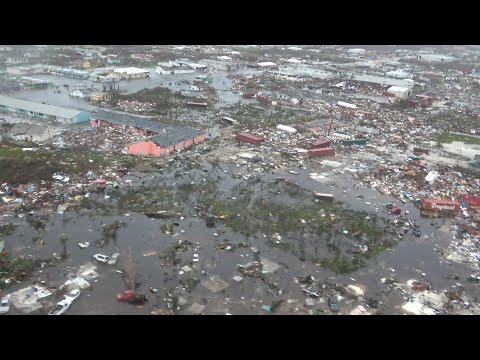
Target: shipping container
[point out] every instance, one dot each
(323, 196)
(354, 142)
(440, 207)
(262, 98)
(248, 95)
(323, 143)
(313, 153)
(190, 103)
(420, 151)
(285, 128)
(250, 138)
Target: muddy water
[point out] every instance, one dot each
(410, 258)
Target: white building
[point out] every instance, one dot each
(356, 52)
(29, 132)
(133, 73)
(435, 58)
(266, 64)
(398, 74)
(172, 68)
(219, 64)
(400, 92)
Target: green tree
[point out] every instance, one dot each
(63, 238)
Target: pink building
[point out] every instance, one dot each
(162, 144)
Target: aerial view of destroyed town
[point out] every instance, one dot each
(239, 180)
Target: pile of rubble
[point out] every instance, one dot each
(135, 105)
(100, 138)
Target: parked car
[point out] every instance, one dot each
(5, 305)
(101, 258)
(126, 295)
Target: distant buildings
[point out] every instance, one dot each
(82, 64)
(34, 84)
(219, 64)
(172, 68)
(53, 114)
(25, 70)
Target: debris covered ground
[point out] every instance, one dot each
(255, 224)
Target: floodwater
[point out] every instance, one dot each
(173, 82)
(143, 237)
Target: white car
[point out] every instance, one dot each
(101, 258)
(73, 295)
(5, 305)
(83, 245)
(60, 308)
(65, 304)
(113, 260)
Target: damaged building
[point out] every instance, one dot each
(163, 139)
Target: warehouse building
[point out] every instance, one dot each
(133, 73)
(164, 139)
(219, 64)
(53, 114)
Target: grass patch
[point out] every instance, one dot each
(449, 138)
(7, 229)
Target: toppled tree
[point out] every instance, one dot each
(63, 238)
(109, 232)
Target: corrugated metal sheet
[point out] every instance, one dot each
(39, 108)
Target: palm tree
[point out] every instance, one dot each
(63, 238)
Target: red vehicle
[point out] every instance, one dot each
(395, 211)
(126, 295)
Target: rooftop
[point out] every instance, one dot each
(40, 108)
(382, 80)
(172, 133)
(398, 89)
(131, 70)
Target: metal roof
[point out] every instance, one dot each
(174, 136)
(131, 70)
(40, 108)
(398, 89)
(382, 80)
(168, 134)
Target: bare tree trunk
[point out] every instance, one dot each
(130, 270)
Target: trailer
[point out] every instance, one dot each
(250, 138)
(313, 153)
(322, 143)
(323, 196)
(440, 208)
